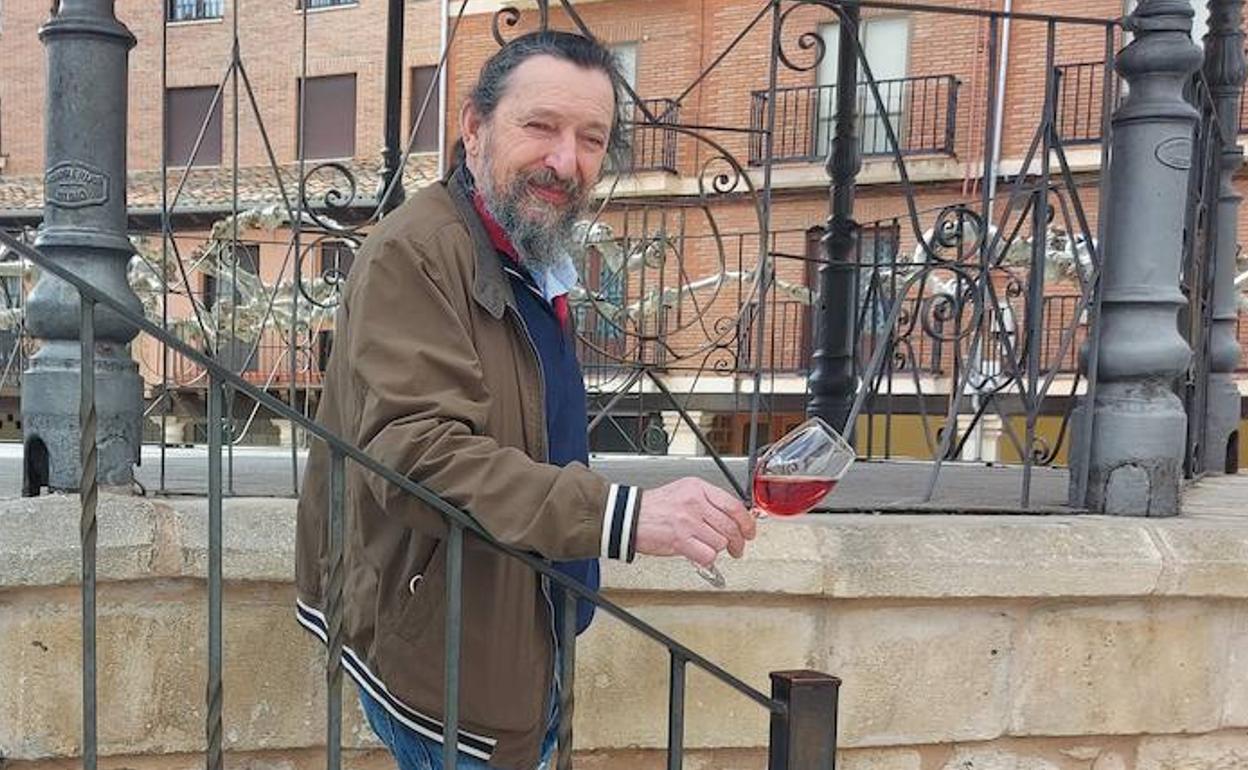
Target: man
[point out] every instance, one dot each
(454, 363)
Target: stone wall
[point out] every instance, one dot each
(964, 642)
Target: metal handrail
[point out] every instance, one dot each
(457, 519)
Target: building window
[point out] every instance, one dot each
(626, 58)
(324, 347)
(886, 42)
(336, 260)
(194, 10)
(248, 255)
(186, 113)
(312, 5)
(424, 79)
(330, 113)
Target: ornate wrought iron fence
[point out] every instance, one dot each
(1209, 322)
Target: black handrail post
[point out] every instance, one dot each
(454, 640)
(676, 713)
(567, 680)
(88, 494)
(336, 537)
(803, 734)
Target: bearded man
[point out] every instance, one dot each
(455, 364)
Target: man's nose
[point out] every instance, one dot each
(561, 158)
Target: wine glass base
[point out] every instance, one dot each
(712, 575)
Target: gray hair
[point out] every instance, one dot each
(582, 51)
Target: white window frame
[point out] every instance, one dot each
(871, 131)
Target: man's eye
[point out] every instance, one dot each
(597, 142)
(538, 125)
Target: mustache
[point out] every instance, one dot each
(545, 177)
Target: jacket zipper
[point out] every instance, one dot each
(545, 581)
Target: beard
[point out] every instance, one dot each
(541, 231)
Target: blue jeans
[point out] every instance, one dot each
(413, 751)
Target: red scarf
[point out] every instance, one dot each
(501, 242)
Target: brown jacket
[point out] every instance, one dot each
(434, 375)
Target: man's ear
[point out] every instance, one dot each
(470, 128)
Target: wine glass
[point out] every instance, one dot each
(794, 474)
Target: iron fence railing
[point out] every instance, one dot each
(931, 350)
(790, 336)
(922, 110)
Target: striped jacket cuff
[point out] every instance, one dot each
(619, 535)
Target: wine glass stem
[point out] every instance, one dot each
(712, 574)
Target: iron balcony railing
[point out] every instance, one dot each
(1080, 102)
(264, 360)
(314, 4)
(194, 10)
(802, 704)
(651, 142)
(922, 111)
(788, 337)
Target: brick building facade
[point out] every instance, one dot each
(933, 76)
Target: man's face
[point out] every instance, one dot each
(538, 156)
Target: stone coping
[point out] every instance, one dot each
(1203, 553)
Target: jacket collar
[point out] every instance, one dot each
(490, 288)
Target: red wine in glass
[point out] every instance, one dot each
(790, 495)
(795, 474)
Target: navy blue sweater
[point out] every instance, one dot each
(566, 415)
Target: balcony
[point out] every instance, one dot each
(1080, 90)
(922, 110)
(1080, 99)
(652, 144)
(264, 362)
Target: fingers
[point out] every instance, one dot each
(726, 528)
(692, 518)
(731, 506)
(707, 533)
(697, 552)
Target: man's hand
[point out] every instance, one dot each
(694, 519)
